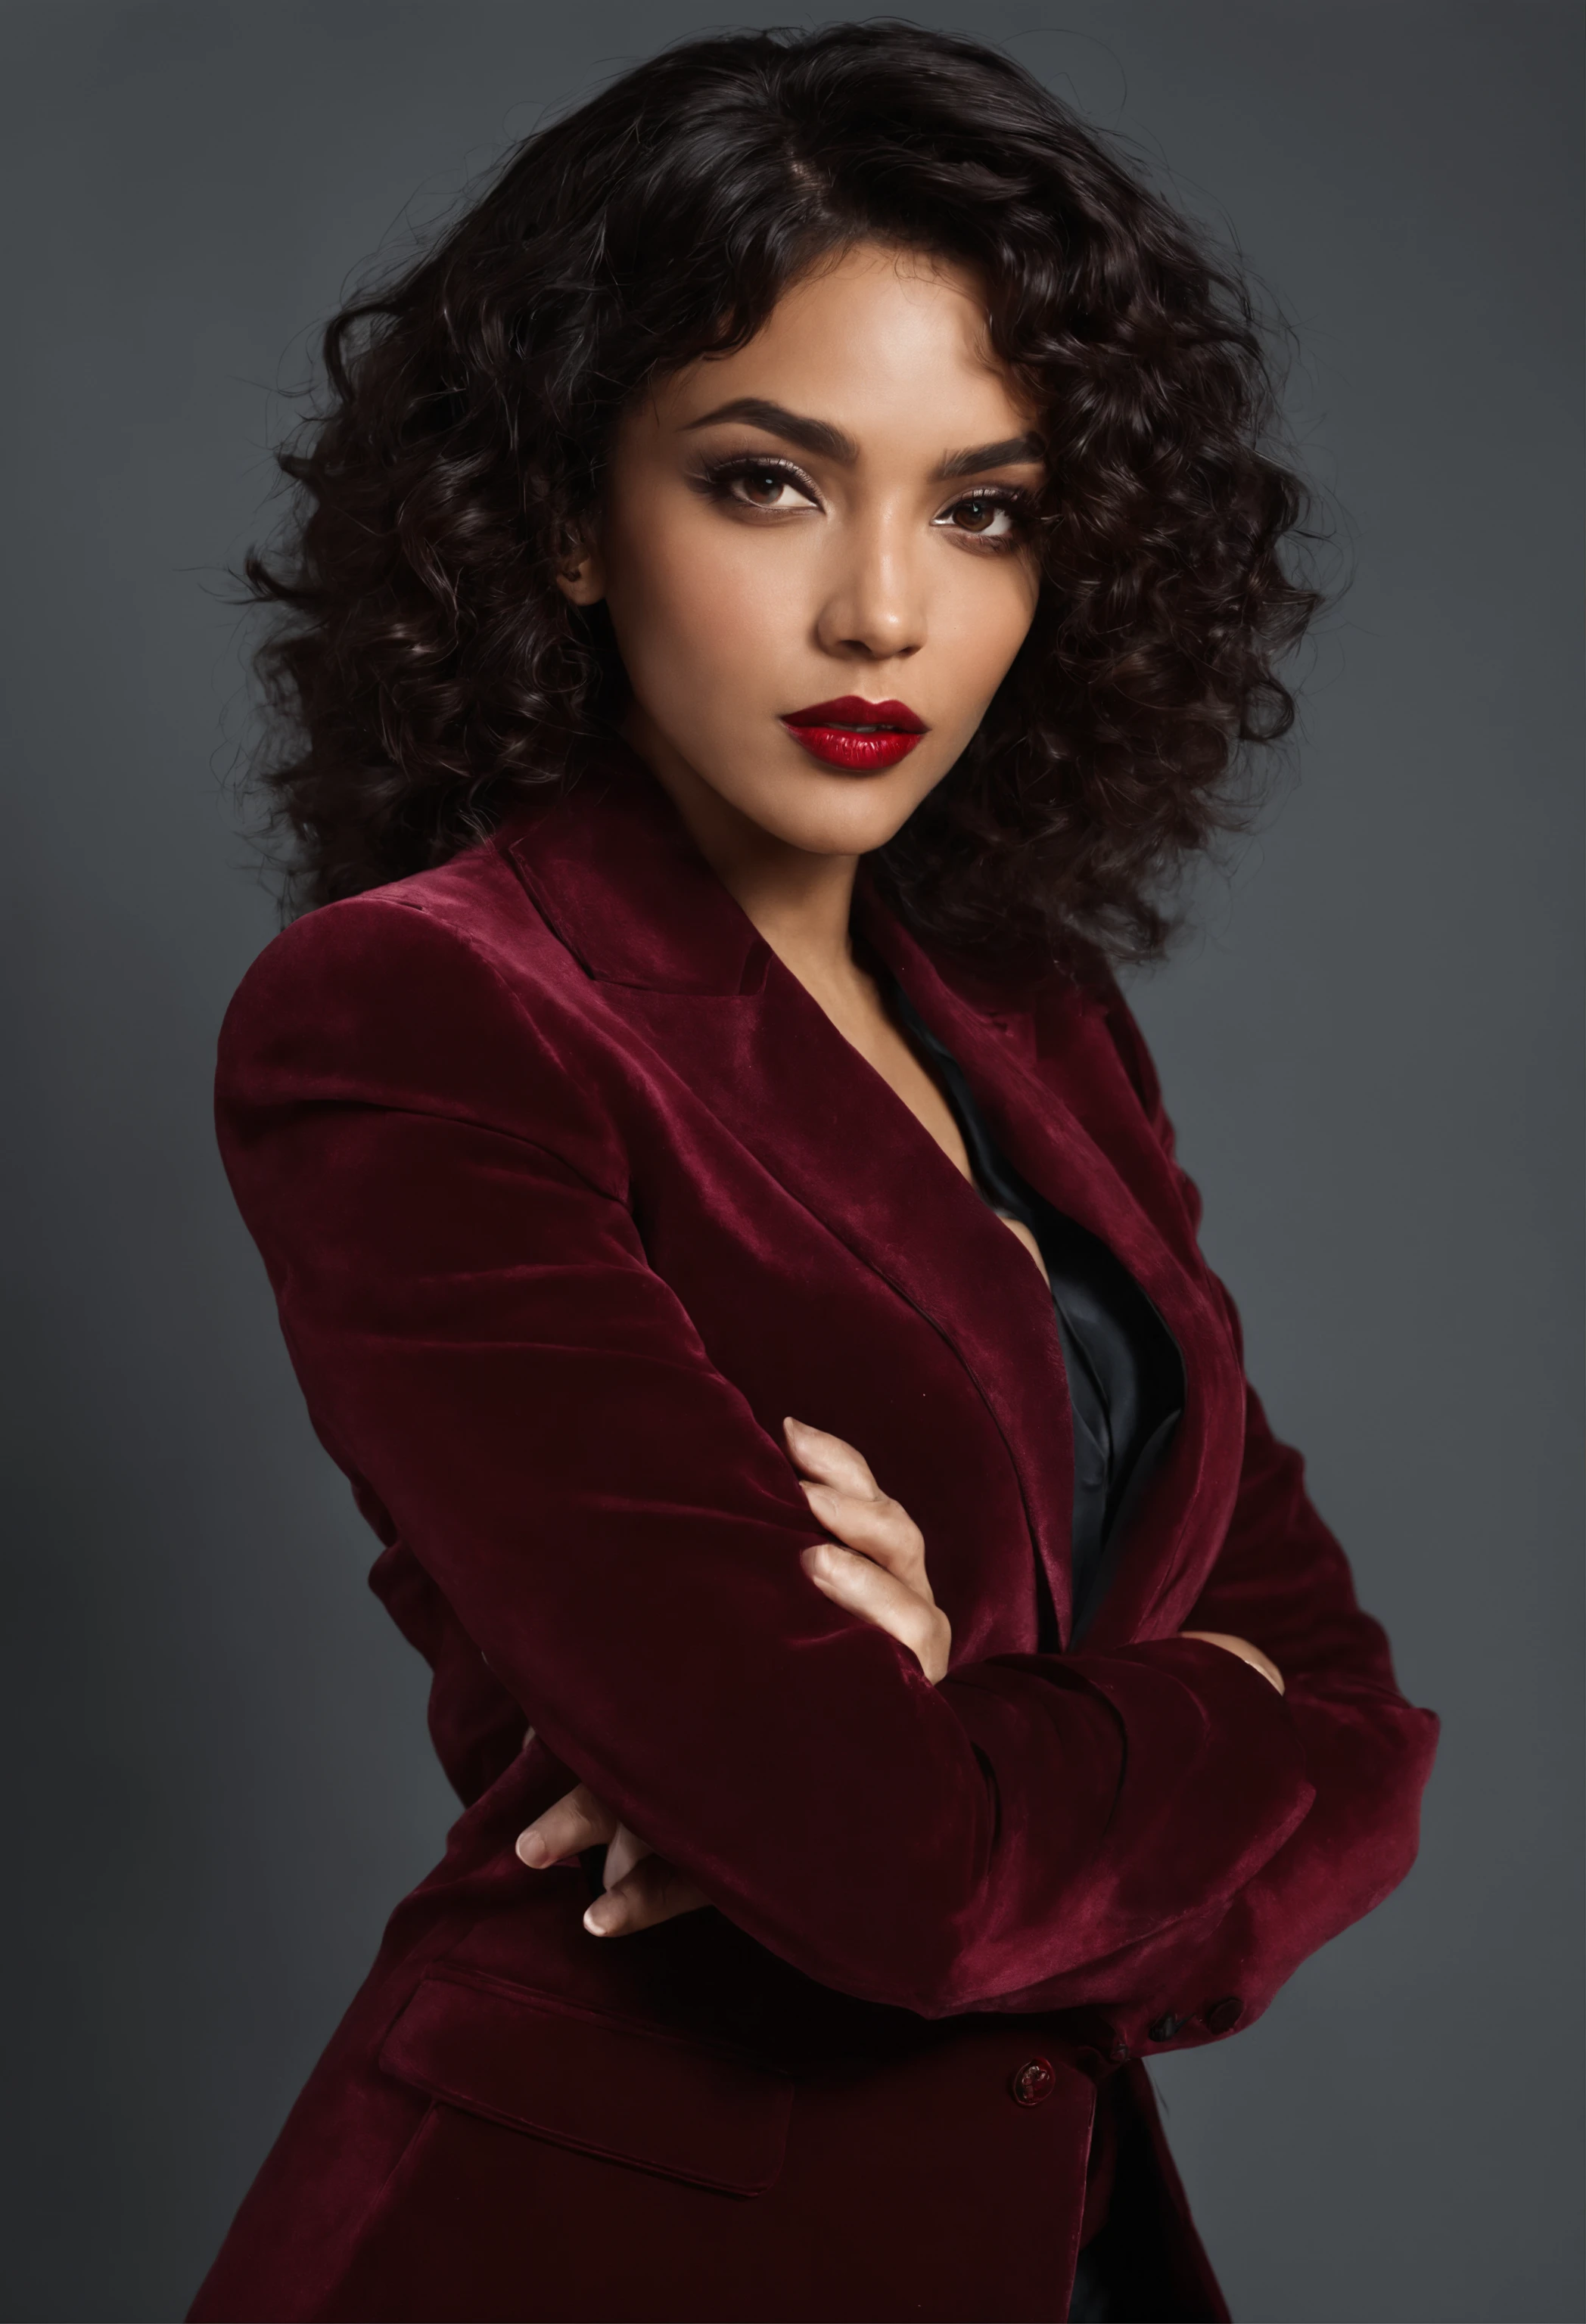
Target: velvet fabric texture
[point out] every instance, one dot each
(569, 1193)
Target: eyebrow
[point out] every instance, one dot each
(1010, 451)
(819, 435)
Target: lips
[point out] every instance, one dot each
(858, 735)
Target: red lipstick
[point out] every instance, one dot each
(853, 733)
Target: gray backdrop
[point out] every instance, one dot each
(218, 1781)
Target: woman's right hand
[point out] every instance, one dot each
(874, 1567)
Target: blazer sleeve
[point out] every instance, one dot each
(1282, 1581)
(438, 1182)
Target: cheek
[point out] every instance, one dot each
(688, 599)
(984, 616)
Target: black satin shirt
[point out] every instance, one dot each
(1125, 1373)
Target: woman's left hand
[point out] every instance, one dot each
(873, 1566)
(880, 1573)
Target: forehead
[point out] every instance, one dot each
(889, 346)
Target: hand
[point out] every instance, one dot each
(641, 1886)
(1244, 1650)
(878, 1572)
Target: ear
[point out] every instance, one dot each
(581, 576)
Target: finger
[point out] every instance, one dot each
(653, 1891)
(862, 1587)
(880, 1529)
(626, 1850)
(578, 1821)
(1246, 1651)
(828, 1457)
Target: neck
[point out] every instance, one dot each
(799, 901)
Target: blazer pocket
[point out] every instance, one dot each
(606, 2086)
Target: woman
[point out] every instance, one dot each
(777, 590)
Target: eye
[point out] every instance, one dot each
(768, 486)
(986, 516)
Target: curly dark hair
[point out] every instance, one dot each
(427, 672)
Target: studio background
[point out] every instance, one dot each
(217, 1778)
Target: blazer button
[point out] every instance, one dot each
(1223, 2016)
(1034, 2081)
(1165, 2028)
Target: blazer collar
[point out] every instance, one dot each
(612, 867)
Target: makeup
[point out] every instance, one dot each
(851, 733)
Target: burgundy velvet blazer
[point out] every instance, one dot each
(568, 1192)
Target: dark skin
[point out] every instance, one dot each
(838, 508)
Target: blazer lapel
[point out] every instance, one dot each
(1179, 1505)
(614, 871)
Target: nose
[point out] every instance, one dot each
(873, 609)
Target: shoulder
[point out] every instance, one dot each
(472, 908)
(408, 953)
(1117, 1022)
(441, 993)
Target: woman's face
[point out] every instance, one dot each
(817, 557)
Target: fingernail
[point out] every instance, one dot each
(597, 1921)
(531, 1850)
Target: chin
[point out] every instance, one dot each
(818, 831)
(830, 814)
